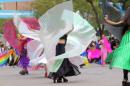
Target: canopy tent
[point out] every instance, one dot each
(2, 1)
(4, 14)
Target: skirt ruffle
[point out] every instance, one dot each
(120, 57)
(66, 69)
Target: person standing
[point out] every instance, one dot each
(105, 48)
(24, 60)
(120, 57)
(66, 68)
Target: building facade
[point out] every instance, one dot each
(8, 8)
(17, 6)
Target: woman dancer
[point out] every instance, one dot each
(66, 68)
(105, 48)
(120, 57)
(24, 60)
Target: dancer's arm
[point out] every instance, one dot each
(112, 22)
(125, 20)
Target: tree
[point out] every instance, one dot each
(89, 7)
(1, 25)
(96, 13)
(41, 6)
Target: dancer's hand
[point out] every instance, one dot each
(106, 17)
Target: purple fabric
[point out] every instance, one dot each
(24, 60)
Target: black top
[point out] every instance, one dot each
(64, 38)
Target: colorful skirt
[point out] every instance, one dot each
(120, 57)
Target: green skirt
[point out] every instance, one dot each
(120, 57)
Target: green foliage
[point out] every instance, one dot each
(127, 4)
(41, 6)
(115, 1)
(1, 25)
(81, 5)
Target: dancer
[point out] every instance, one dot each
(66, 68)
(24, 60)
(120, 57)
(105, 48)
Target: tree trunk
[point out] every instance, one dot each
(96, 15)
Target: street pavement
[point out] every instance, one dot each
(92, 75)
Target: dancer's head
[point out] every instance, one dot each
(21, 37)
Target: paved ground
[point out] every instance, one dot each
(94, 75)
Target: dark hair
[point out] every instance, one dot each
(125, 28)
(126, 23)
(2, 45)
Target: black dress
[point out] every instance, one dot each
(66, 68)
